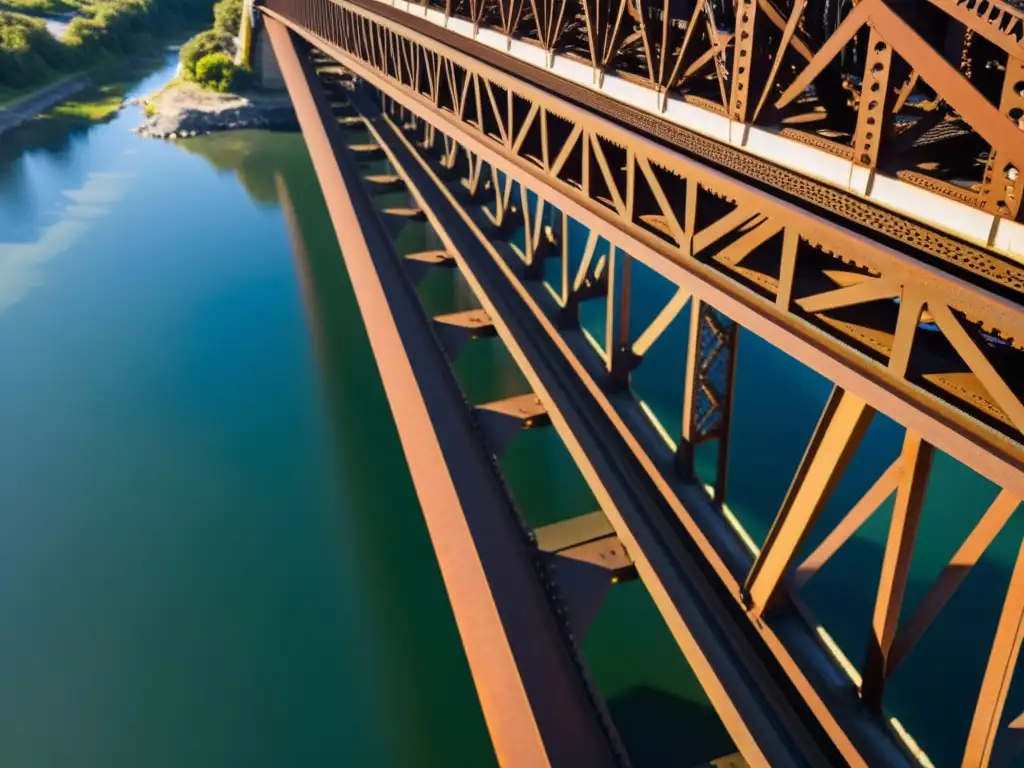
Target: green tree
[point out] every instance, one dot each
(216, 71)
(104, 31)
(28, 53)
(227, 17)
(200, 46)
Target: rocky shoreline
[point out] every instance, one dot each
(183, 110)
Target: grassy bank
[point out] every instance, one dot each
(104, 99)
(11, 96)
(94, 104)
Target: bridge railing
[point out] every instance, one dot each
(886, 98)
(933, 341)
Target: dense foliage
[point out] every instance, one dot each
(27, 51)
(205, 43)
(39, 7)
(227, 17)
(215, 47)
(216, 71)
(29, 55)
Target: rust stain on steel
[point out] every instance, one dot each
(565, 735)
(648, 546)
(951, 429)
(990, 455)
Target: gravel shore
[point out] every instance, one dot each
(182, 110)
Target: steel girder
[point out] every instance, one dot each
(637, 208)
(937, 352)
(537, 707)
(929, 92)
(772, 579)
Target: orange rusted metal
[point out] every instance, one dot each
(838, 297)
(532, 699)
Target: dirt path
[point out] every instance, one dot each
(40, 100)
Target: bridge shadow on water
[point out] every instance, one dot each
(630, 652)
(653, 724)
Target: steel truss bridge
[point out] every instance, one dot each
(840, 179)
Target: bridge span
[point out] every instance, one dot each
(802, 176)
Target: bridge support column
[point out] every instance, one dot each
(243, 54)
(264, 64)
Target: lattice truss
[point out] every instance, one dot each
(929, 90)
(776, 574)
(716, 345)
(946, 346)
(933, 335)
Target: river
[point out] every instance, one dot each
(210, 550)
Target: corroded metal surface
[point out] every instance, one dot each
(945, 348)
(533, 701)
(939, 355)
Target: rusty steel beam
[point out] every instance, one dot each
(864, 744)
(850, 524)
(842, 425)
(732, 673)
(916, 466)
(941, 424)
(532, 698)
(952, 576)
(1002, 662)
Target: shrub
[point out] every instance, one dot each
(104, 31)
(85, 34)
(200, 46)
(216, 71)
(35, 7)
(227, 17)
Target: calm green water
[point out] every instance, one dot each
(210, 550)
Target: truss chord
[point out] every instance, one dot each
(722, 233)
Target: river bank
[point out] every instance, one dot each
(183, 110)
(40, 100)
(209, 557)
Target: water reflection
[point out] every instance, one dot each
(242, 153)
(205, 523)
(21, 264)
